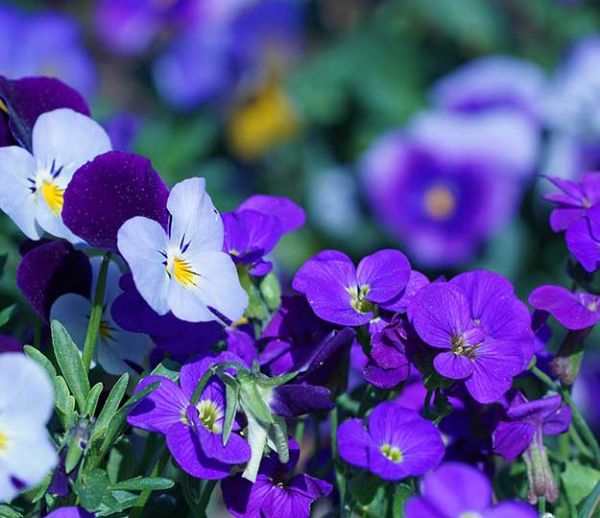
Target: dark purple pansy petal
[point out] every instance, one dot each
(51, 270)
(110, 190)
(240, 343)
(296, 399)
(290, 215)
(27, 98)
(8, 344)
(385, 272)
(510, 439)
(243, 498)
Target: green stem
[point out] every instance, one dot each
(299, 434)
(427, 404)
(91, 337)
(142, 500)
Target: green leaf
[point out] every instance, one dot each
(74, 454)
(143, 483)
(8, 512)
(579, 481)
(168, 369)
(69, 360)
(232, 393)
(5, 315)
(91, 488)
(271, 291)
(278, 435)
(253, 401)
(401, 495)
(64, 402)
(116, 502)
(38, 357)
(591, 504)
(112, 402)
(92, 399)
(364, 487)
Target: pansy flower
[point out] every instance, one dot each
(26, 405)
(395, 443)
(341, 293)
(193, 430)
(118, 351)
(183, 269)
(277, 492)
(573, 310)
(458, 490)
(34, 183)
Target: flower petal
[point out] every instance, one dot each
(453, 366)
(386, 272)
(290, 215)
(566, 307)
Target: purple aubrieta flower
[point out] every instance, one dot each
(482, 330)
(573, 310)
(456, 490)
(35, 182)
(183, 269)
(193, 431)
(395, 443)
(70, 512)
(341, 293)
(277, 492)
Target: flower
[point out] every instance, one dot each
(583, 240)
(276, 492)
(193, 430)
(397, 443)
(26, 404)
(457, 179)
(184, 270)
(342, 294)
(573, 310)
(69, 512)
(483, 330)
(117, 350)
(110, 190)
(458, 490)
(34, 183)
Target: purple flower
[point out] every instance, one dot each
(454, 490)
(396, 443)
(277, 492)
(573, 310)
(583, 239)
(9, 344)
(123, 129)
(193, 431)
(110, 190)
(341, 293)
(70, 512)
(458, 179)
(482, 329)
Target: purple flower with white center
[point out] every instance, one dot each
(482, 329)
(178, 337)
(183, 269)
(574, 311)
(395, 443)
(341, 293)
(34, 183)
(277, 492)
(254, 229)
(458, 180)
(522, 432)
(490, 83)
(118, 351)
(456, 490)
(193, 430)
(110, 190)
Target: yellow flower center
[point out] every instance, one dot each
(3, 107)
(53, 195)
(3, 441)
(359, 299)
(439, 202)
(209, 413)
(105, 330)
(183, 273)
(391, 453)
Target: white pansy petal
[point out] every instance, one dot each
(72, 311)
(188, 304)
(52, 222)
(17, 166)
(194, 217)
(121, 346)
(26, 391)
(8, 491)
(141, 241)
(69, 139)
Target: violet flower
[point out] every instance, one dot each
(456, 490)
(583, 240)
(341, 293)
(193, 430)
(70, 512)
(277, 492)
(396, 443)
(573, 310)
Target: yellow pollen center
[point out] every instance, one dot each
(359, 300)
(439, 202)
(3, 442)
(53, 195)
(208, 412)
(104, 330)
(183, 273)
(391, 453)
(3, 107)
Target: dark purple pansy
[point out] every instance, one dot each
(395, 443)
(574, 201)
(50, 270)
(573, 310)
(110, 190)
(460, 490)
(193, 431)
(131, 312)
(341, 293)
(277, 492)
(8, 344)
(26, 99)
(482, 329)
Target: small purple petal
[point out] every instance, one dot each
(285, 210)
(573, 310)
(510, 439)
(292, 400)
(385, 272)
(453, 366)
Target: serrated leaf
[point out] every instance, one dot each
(579, 481)
(6, 314)
(143, 483)
(40, 358)
(91, 488)
(112, 402)
(92, 399)
(69, 360)
(64, 402)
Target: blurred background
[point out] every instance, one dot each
(423, 125)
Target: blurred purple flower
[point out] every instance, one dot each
(397, 443)
(123, 128)
(573, 310)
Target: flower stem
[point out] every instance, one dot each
(91, 337)
(299, 433)
(142, 500)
